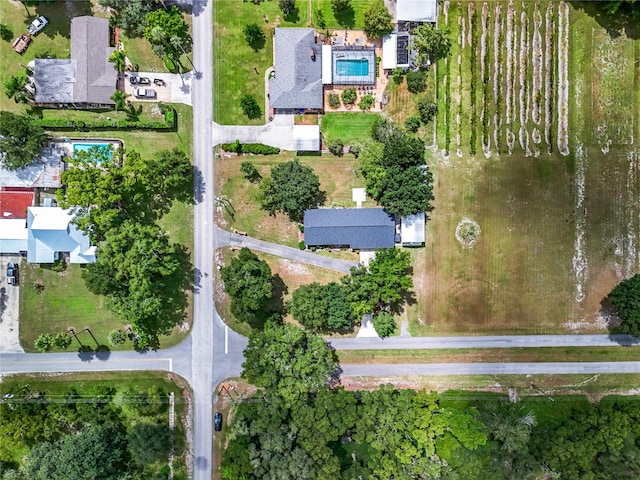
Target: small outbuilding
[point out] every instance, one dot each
(412, 230)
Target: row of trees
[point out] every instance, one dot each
(20, 140)
(118, 202)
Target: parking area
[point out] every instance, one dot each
(9, 308)
(167, 87)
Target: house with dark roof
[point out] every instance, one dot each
(87, 79)
(356, 228)
(297, 80)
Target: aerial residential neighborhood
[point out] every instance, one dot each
(319, 239)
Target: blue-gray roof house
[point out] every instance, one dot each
(297, 84)
(357, 228)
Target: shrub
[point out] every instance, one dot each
(301, 245)
(116, 337)
(44, 342)
(61, 341)
(355, 150)
(319, 19)
(385, 324)
(169, 123)
(417, 81)
(6, 33)
(334, 100)
(250, 107)
(428, 109)
(367, 102)
(287, 7)
(336, 147)
(349, 96)
(250, 172)
(397, 74)
(412, 123)
(254, 148)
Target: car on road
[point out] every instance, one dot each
(217, 422)
(144, 92)
(37, 25)
(12, 273)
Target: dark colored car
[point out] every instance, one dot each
(144, 80)
(133, 80)
(217, 422)
(12, 273)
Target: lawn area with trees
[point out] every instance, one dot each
(96, 425)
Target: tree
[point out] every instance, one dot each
(412, 123)
(117, 337)
(250, 107)
(61, 341)
(20, 140)
(349, 96)
(250, 172)
(625, 300)
(334, 100)
(14, 88)
(248, 281)
(384, 285)
(120, 98)
(431, 43)
(44, 343)
(321, 307)
(321, 23)
(6, 33)
(397, 74)
(130, 15)
(288, 360)
(287, 7)
(118, 58)
(624, 8)
(416, 81)
(163, 24)
(340, 5)
(336, 147)
(292, 188)
(377, 20)
(96, 452)
(428, 109)
(367, 102)
(148, 443)
(384, 324)
(254, 36)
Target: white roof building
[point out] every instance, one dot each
(412, 230)
(50, 232)
(13, 235)
(417, 11)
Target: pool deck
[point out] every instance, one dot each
(66, 144)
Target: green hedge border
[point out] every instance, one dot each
(170, 123)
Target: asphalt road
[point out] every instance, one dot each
(501, 341)
(550, 368)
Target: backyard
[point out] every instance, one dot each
(531, 232)
(351, 128)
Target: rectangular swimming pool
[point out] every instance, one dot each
(85, 147)
(352, 67)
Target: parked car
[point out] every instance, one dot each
(21, 43)
(37, 25)
(144, 80)
(159, 82)
(144, 92)
(217, 422)
(133, 80)
(12, 273)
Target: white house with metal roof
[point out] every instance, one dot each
(51, 233)
(422, 11)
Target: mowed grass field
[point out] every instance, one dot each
(557, 231)
(349, 127)
(337, 177)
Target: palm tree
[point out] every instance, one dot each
(119, 97)
(15, 87)
(118, 58)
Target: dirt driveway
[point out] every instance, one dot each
(9, 309)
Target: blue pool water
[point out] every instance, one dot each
(352, 67)
(84, 147)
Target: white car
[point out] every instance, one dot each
(37, 25)
(145, 92)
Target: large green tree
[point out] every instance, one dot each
(431, 43)
(625, 299)
(130, 15)
(288, 360)
(292, 188)
(148, 442)
(321, 307)
(164, 24)
(377, 20)
(249, 283)
(20, 140)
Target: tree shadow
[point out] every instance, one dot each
(199, 186)
(85, 353)
(3, 301)
(614, 322)
(258, 44)
(345, 17)
(613, 24)
(103, 352)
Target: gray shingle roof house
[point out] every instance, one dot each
(87, 79)
(298, 70)
(361, 228)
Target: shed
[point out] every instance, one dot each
(412, 230)
(424, 11)
(13, 235)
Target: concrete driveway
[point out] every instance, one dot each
(277, 133)
(9, 309)
(176, 88)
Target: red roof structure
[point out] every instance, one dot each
(14, 203)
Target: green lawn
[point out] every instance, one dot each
(150, 113)
(352, 19)
(349, 127)
(234, 60)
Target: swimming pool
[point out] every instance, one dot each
(352, 67)
(85, 147)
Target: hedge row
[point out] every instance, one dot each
(169, 123)
(255, 148)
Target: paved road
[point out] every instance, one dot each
(502, 341)
(225, 238)
(551, 368)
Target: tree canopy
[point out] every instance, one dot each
(249, 283)
(321, 308)
(20, 140)
(130, 15)
(292, 188)
(164, 26)
(288, 360)
(625, 299)
(431, 43)
(377, 20)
